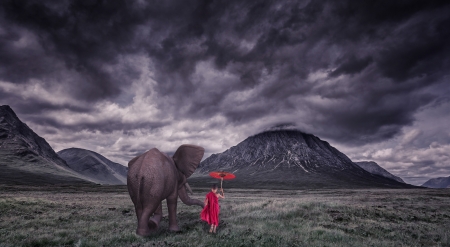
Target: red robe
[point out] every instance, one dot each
(210, 213)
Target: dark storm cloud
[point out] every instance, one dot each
(372, 116)
(352, 66)
(40, 107)
(101, 125)
(377, 57)
(80, 36)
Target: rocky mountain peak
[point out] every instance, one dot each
(26, 158)
(281, 149)
(12, 129)
(7, 113)
(288, 158)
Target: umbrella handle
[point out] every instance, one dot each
(221, 180)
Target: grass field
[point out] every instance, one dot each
(104, 216)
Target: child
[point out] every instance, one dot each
(210, 212)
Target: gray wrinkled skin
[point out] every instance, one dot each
(153, 177)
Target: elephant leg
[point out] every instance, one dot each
(138, 212)
(172, 207)
(156, 218)
(137, 206)
(143, 220)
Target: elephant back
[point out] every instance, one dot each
(151, 172)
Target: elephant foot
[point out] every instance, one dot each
(153, 224)
(143, 232)
(174, 228)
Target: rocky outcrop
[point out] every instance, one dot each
(374, 168)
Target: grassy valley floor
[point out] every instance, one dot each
(104, 216)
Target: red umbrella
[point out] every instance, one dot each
(222, 176)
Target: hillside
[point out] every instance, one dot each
(94, 166)
(289, 159)
(442, 182)
(374, 168)
(26, 158)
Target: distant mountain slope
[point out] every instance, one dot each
(442, 182)
(26, 158)
(94, 166)
(289, 159)
(374, 168)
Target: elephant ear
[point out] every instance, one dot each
(187, 158)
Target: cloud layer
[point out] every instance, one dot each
(121, 77)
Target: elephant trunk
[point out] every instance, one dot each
(182, 193)
(189, 188)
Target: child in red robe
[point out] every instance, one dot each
(210, 212)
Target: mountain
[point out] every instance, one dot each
(26, 158)
(374, 168)
(288, 159)
(442, 182)
(94, 166)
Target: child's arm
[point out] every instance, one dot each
(219, 195)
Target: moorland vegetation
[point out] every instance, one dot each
(104, 216)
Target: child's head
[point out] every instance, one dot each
(214, 188)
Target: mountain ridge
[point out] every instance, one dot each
(438, 183)
(94, 165)
(374, 168)
(290, 158)
(27, 158)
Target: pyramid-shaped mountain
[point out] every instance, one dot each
(289, 159)
(26, 158)
(95, 166)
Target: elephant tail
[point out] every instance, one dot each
(140, 192)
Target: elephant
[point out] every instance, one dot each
(153, 177)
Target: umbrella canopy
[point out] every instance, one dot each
(222, 174)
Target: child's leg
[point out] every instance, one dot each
(214, 230)
(211, 229)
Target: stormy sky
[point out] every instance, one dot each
(120, 77)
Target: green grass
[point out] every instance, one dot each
(104, 216)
